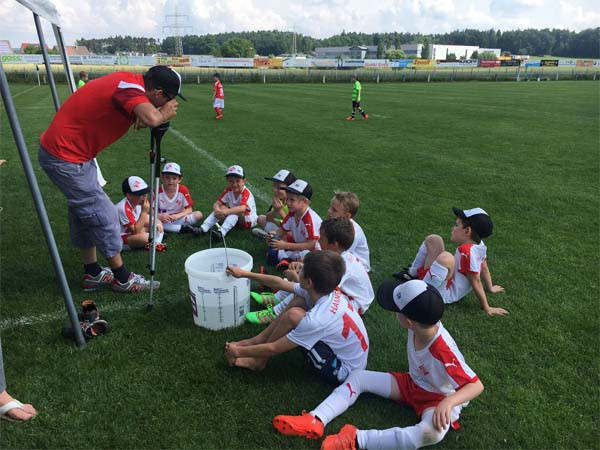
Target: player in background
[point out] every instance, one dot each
(356, 91)
(83, 78)
(218, 96)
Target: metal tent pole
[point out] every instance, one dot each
(39, 206)
(63, 52)
(40, 33)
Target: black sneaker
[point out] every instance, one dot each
(216, 234)
(403, 276)
(187, 228)
(89, 330)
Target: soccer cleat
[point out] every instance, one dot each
(264, 298)
(89, 329)
(89, 311)
(403, 276)
(217, 234)
(349, 118)
(135, 283)
(259, 232)
(187, 228)
(282, 265)
(305, 425)
(160, 247)
(104, 278)
(219, 117)
(344, 440)
(265, 317)
(366, 117)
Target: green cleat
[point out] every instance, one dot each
(264, 298)
(265, 317)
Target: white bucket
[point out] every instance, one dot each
(218, 300)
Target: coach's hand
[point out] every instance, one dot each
(169, 110)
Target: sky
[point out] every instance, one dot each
(316, 18)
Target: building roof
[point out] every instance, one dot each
(77, 50)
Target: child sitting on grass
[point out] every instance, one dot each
(455, 276)
(298, 233)
(336, 234)
(235, 205)
(278, 210)
(133, 216)
(175, 203)
(319, 320)
(438, 384)
(345, 204)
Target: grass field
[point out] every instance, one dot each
(525, 152)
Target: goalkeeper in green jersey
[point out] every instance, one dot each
(356, 100)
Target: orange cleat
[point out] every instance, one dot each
(349, 118)
(305, 425)
(366, 117)
(219, 117)
(344, 440)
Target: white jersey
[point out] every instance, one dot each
(174, 205)
(306, 229)
(359, 246)
(246, 198)
(468, 258)
(356, 284)
(128, 215)
(333, 321)
(439, 367)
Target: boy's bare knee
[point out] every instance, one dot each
(262, 221)
(294, 315)
(434, 240)
(446, 259)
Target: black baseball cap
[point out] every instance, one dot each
(415, 299)
(283, 176)
(477, 219)
(300, 187)
(165, 78)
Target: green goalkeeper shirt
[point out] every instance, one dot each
(356, 91)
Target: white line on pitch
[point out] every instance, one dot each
(25, 91)
(255, 191)
(377, 115)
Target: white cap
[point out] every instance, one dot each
(172, 168)
(135, 185)
(235, 171)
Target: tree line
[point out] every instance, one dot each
(556, 42)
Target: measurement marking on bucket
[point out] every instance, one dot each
(204, 291)
(194, 303)
(219, 292)
(235, 305)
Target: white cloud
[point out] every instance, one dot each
(317, 18)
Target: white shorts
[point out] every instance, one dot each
(218, 103)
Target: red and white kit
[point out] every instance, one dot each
(229, 199)
(435, 372)
(128, 217)
(174, 205)
(468, 258)
(303, 230)
(355, 284)
(218, 95)
(333, 321)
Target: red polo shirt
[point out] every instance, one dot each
(94, 117)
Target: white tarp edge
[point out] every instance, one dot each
(43, 8)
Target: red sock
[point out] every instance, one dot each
(219, 112)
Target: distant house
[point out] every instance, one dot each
(5, 48)
(73, 50)
(412, 50)
(350, 52)
(24, 45)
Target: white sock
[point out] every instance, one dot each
(436, 275)
(209, 222)
(280, 307)
(344, 396)
(419, 260)
(172, 227)
(190, 219)
(420, 435)
(229, 223)
(159, 237)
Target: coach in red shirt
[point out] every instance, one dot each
(91, 119)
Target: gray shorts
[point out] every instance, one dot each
(93, 219)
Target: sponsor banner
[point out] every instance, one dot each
(463, 63)
(276, 63)
(532, 64)
(374, 63)
(585, 63)
(489, 63)
(324, 62)
(202, 61)
(11, 59)
(297, 63)
(401, 63)
(510, 62)
(262, 62)
(566, 62)
(353, 63)
(178, 61)
(234, 62)
(423, 62)
(549, 62)
(100, 60)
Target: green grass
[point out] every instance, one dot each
(526, 152)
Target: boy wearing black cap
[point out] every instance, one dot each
(300, 227)
(278, 210)
(437, 386)
(235, 205)
(133, 215)
(455, 276)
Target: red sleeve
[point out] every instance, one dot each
(285, 220)
(440, 351)
(129, 98)
(310, 228)
(465, 259)
(130, 215)
(223, 194)
(245, 197)
(186, 194)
